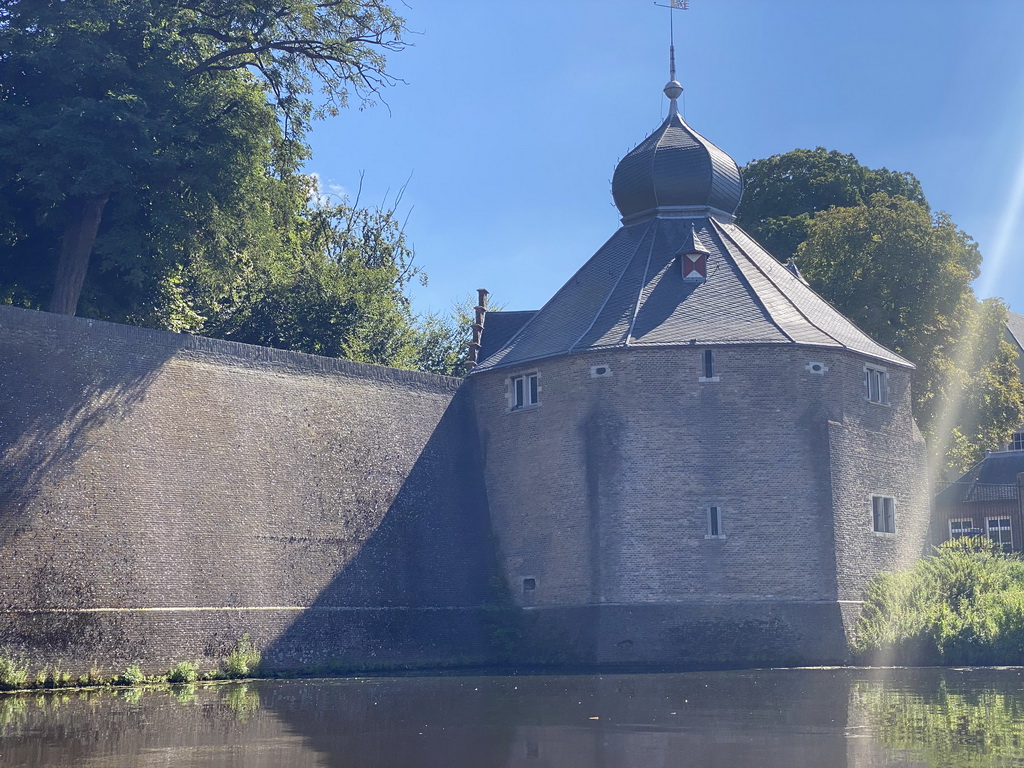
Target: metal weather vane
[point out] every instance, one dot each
(673, 6)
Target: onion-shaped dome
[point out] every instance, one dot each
(675, 170)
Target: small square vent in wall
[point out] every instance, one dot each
(598, 371)
(818, 368)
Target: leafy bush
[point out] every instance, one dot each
(132, 676)
(183, 672)
(243, 660)
(964, 605)
(13, 672)
(53, 677)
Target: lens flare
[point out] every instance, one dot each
(989, 280)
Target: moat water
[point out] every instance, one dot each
(770, 719)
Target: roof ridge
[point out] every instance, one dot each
(611, 292)
(643, 286)
(725, 234)
(892, 356)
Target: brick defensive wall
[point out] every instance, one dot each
(162, 494)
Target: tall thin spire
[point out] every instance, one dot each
(673, 89)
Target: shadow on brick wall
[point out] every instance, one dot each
(61, 380)
(414, 592)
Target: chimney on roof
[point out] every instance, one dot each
(478, 326)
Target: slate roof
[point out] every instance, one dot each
(677, 192)
(1015, 329)
(994, 478)
(675, 167)
(1015, 325)
(499, 327)
(631, 294)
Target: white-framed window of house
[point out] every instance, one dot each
(1017, 441)
(876, 384)
(707, 366)
(998, 529)
(524, 391)
(960, 528)
(714, 520)
(883, 514)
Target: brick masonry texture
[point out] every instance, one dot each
(144, 470)
(163, 494)
(600, 495)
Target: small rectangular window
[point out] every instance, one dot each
(876, 384)
(958, 529)
(715, 523)
(883, 509)
(1000, 532)
(1017, 441)
(707, 366)
(525, 391)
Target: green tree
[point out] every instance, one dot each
(782, 193)
(904, 276)
(443, 342)
(98, 98)
(337, 288)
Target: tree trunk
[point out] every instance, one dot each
(75, 249)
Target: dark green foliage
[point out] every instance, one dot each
(183, 672)
(442, 343)
(867, 241)
(13, 671)
(154, 130)
(782, 193)
(964, 605)
(243, 659)
(132, 676)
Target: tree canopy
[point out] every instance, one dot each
(112, 110)
(782, 193)
(150, 155)
(904, 275)
(867, 240)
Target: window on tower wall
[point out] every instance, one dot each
(524, 391)
(1017, 441)
(714, 523)
(876, 384)
(707, 366)
(883, 511)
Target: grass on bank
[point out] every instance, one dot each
(243, 661)
(964, 605)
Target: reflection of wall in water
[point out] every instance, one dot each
(227, 727)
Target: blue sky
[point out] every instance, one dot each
(514, 115)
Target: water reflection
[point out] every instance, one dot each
(761, 718)
(961, 719)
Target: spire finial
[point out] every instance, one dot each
(673, 89)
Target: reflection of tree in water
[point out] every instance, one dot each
(241, 700)
(948, 725)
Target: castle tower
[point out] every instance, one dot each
(691, 456)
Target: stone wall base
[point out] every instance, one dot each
(336, 639)
(314, 639)
(692, 634)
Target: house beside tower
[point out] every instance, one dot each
(690, 456)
